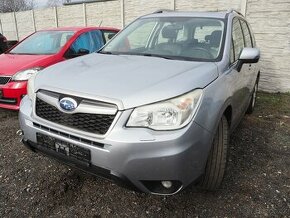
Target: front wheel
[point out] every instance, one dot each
(216, 163)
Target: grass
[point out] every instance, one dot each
(277, 104)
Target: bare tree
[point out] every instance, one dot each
(54, 3)
(15, 5)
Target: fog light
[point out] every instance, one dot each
(166, 184)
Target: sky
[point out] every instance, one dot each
(40, 3)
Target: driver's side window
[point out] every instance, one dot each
(237, 41)
(84, 41)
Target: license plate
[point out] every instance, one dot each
(64, 148)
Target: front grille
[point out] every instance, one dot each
(69, 136)
(4, 80)
(10, 101)
(93, 123)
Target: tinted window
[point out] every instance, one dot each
(247, 35)
(91, 41)
(98, 39)
(238, 39)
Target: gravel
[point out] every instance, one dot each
(257, 182)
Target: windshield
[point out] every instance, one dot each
(170, 37)
(43, 43)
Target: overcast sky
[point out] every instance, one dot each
(40, 3)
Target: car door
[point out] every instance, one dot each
(240, 95)
(251, 70)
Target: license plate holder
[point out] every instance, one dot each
(64, 148)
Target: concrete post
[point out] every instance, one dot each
(173, 5)
(1, 27)
(122, 13)
(244, 7)
(56, 16)
(33, 20)
(85, 14)
(16, 27)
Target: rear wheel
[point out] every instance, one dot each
(216, 163)
(252, 104)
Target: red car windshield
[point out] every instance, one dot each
(43, 43)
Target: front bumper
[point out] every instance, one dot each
(12, 94)
(139, 156)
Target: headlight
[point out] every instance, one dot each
(167, 115)
(30, 87)
(26, 74)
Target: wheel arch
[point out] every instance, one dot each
(227, 111)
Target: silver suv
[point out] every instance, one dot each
(154, 107)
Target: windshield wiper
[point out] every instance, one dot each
(105, 52)
(158, 56)
(23, 53)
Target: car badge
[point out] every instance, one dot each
(68, 104)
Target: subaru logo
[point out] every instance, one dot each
(68, 104)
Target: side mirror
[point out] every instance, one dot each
(83, 51)
(71, 54)
(248, 56)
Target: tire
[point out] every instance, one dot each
(252, 104)
(216, 163)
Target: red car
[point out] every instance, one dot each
(42, 49)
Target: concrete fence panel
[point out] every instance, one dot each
(25, 23)
(8, 25)
(104, 13)
(70, 15)
(136, 8)
(45, 18)
(208, 5)
(270, 21)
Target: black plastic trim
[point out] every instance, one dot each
(11, 101)
(87, 167)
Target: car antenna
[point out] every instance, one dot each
(101, 23)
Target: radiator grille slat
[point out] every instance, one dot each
(4, 80)
(92, 123)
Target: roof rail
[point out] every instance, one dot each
(162, 11)
(234, 10)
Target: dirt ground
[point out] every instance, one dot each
(257, 183)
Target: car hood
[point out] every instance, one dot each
(11, 64)
(129, 80)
